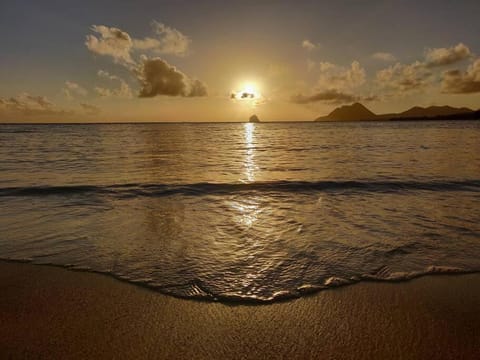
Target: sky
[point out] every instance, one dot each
(119, 61)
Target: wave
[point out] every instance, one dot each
(196, 289)
(138, 190)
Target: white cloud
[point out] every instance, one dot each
(119, 45)
(168, 41)
(338, 77)
(334, 85)
(73, 89)
(90, 109)
(147, 43)
(404, 77)
(446, 56)
(111, 42)
(383, 56)
(122, 91)
(308, 45)
(310, 65)
(29, 105)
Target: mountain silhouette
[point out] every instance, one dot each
(355, 111)
(358, 111)
(431, 111)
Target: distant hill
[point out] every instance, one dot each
(358, 111)
(349, 112)
(472, 115)
(430, 111)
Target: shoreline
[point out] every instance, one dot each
(237, 300)
(51, 312)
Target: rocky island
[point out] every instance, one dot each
(254, 119)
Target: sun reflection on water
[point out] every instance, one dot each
(250, 166)
(247, 211)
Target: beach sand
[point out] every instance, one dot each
(49, 312)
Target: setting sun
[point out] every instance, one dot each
(248, 91)
(251, 88)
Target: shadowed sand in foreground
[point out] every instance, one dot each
(50, 312)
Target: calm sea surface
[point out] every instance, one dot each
(243, 211)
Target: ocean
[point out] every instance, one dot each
(243, 211)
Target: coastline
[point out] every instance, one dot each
(49, 312)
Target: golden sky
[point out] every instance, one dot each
(224, 61)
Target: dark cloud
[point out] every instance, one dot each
(458, 82)
(447, 56)
(157, 77)
(242, 95)
(328, 96)
(197, 88)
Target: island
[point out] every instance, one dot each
(254, 119)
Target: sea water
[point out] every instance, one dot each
(242, 211)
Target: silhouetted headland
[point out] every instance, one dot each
(358, 111)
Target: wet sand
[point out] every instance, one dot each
(48, 312)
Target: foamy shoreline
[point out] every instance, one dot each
(50, 312)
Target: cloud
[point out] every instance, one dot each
(147, 43)
(446, 56)
(457, 82)
(334, 84)
(72, 89)
(111, 42)
(157, 77)
(119, 45)
(29, 105)
(168, 41)
(383, 56)
(337, 77)
(309, 46)
(328, 96)
(420, 74)
(90, 109)
(122, 91)
(322, 66)
(402, 77)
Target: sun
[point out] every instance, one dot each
(251, 88)
(249, 91)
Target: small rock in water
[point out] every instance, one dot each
(254, 119)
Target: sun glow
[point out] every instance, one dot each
(251, 88)
(248, 91)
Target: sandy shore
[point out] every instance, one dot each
(49, 312)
